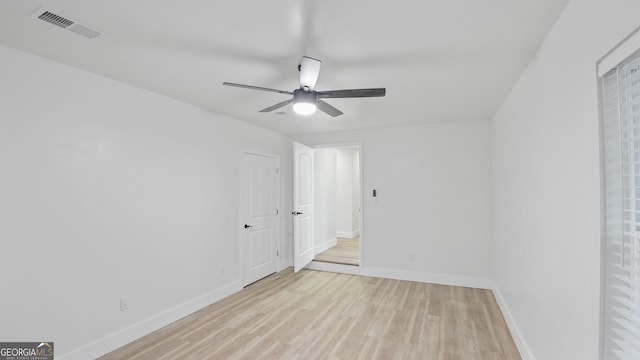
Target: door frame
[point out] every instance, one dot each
(356, 144)
(278, 227)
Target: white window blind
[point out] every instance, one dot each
(621, 109)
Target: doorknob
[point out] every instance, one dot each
(296, 213)
(247, 226)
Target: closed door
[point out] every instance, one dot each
(259, 216)
(303, 248)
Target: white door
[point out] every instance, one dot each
(259, 216)
(302, 206)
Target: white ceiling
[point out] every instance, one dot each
(446, 60)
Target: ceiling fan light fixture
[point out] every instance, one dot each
(304, 108)
(304, 102)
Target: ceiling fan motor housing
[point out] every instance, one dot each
(302, 96)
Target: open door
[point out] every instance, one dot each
(302, 206)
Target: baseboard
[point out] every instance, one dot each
(521, 344)
(347, 234)
(326, 245)
(136, 331)
(433, 278)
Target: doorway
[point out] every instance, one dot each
(337, 205)
(332, 175)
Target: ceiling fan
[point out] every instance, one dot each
(306, 99)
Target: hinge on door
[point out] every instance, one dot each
(277, 171)
(277, 212)
(277, 253)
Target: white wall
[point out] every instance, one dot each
(346, 192)
(325, 199)
(109, 190)
(546, 241)
(432, 213)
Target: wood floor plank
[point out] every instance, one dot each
(346, 251)
(321, 315)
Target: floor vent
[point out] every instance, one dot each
(66, 23)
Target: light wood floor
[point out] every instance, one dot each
(321, 315)
(347, 251)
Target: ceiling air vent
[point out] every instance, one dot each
(84, 31)
(66, 23)
(54, 19)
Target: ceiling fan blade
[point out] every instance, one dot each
(309, 71)
(352, 93)
(330, 110)
(277, 106)
(257, 88)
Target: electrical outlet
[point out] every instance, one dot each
(222, 270)
(410, 256)
(124, 303)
